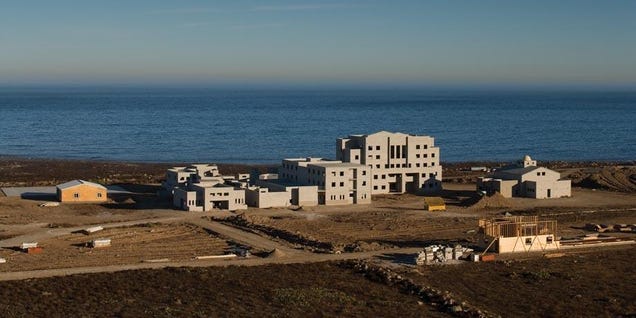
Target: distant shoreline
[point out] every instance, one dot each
(264, 163)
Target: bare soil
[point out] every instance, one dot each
(594, 283)
(308, 290)
(46, 172)
(400, 220)
(130, 245)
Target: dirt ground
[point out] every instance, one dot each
(592, 283)
(399, 220)
(613, 176)
(129, 245)
(46, 172)
(307, 290)
(18, 216)
(600, 281)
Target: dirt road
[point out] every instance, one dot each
(296, 257)
(282, 254)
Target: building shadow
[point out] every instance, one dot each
(399, 258)
(39, 196)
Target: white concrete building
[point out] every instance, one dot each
(337, 182)
(201, 187)
(526, 179)
(279, 193)
(398, 162)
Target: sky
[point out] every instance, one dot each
(445, 43)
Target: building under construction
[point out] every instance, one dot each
(518, 234)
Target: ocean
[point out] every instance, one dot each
(264, 126)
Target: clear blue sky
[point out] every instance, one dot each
(376, 43)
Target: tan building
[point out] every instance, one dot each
(81, 191)
(337, 182)
(200, 187)
(526, 179)
(518, 234)
(398, 162)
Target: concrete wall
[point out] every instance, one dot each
(490, 185)
(82, 193)
(337, 182)
(527, 243)
(220, 197)
(186, 200)
(261, 197)
(399, 162)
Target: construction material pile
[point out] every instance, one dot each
(495, 201)
(602, 228)
(441, 254)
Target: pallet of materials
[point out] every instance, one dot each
(98, 243)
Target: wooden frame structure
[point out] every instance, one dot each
(527, 232)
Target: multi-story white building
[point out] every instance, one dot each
(338, 182)
(201, 187)
(398, 162)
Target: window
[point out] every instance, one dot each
(99, 195)
(370, 148)
(377, 166)
(432, 164)
(538, 173)
(417, 155)
(333, 184)
(377, 147)
(383, 176)
(549, 240)
(333, 173)
(425, 155)
(433, 155)
(375, 176)
(375, 187)
(392, 166)
(364, 183)
(357, 157)
(425, 164)
(425, 146)
(364, 172)
(342, 173)
(342, 184)
(543, 173)
(417, 165)
(377, 156)
(529, 241)
(76, 195)
(383, 187)
(417, 146)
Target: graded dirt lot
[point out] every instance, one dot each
(581, 284)
(19, 216)
(308, 290)
(590, 283)
(134, 244)
(399, 220)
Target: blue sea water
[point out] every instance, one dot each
(263, 126)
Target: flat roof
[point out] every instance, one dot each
(336, 164)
